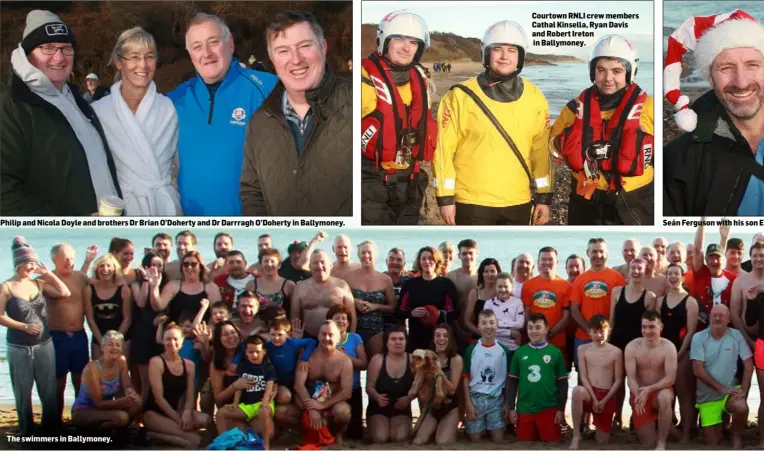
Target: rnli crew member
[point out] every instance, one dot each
(398, 131)
(492, 151)
(213, 110)
(605, 136)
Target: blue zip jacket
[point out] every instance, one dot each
(284, 357)
(211, 141)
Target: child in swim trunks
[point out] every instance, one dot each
(601, 366)
(255, 406)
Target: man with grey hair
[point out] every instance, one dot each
(66, 318)
(95, 91)
(629, 251)
(343, 264)
(718, 168)
(214, 109)
(55, 158)
(298, 152)
(313, 297)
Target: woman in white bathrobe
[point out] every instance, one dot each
(141, 127)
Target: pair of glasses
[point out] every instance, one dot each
(52, 50)
(135, 59)
(190, 264)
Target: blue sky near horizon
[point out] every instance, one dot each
(449, 16)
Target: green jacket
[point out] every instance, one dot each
(275, 181)
(43, 167)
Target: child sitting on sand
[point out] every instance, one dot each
(253, 407)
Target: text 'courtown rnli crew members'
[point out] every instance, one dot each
(398, 131)
(213, 111)
(493, 140)
(717, 168)
(605, 136)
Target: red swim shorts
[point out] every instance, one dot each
(531, 426)
(604, 419)
(651, 410)
(758, 354)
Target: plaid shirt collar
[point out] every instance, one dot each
(292, 116)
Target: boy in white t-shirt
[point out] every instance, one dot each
(509, 311)
(486, 368)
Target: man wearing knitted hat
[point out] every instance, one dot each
(605, 136)
(55, 158)
(717, 169)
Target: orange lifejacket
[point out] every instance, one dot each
(631, 148)
(394, 131)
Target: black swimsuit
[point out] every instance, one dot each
(107, 313)
(187, 302)
(674, 321)
(479, 305)
(173, 388)
(628, 322)
(394, 389)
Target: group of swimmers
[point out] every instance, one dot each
(187, 350)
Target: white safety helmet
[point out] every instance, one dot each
(614, 46)
(504, 32)
(403, 24)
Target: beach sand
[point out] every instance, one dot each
(618, 440)
(443, 81)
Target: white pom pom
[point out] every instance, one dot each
(686, 119)
(682, 102)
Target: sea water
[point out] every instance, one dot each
(565, 81)
(502, 245)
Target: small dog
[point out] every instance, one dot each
(428, 378)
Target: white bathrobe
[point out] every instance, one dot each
(144, 146)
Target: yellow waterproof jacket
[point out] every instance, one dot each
(473, 164)
(565, 120)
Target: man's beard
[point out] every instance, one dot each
(743, 112)
(163, 253)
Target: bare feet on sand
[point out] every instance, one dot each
(574, 443)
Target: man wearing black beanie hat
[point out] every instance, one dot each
(55, 158)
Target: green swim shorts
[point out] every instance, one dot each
(251, 410)
(711, 411)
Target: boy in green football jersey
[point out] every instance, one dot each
(538, 372)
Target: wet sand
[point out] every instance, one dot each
(284, 439)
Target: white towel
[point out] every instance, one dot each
(144, 145)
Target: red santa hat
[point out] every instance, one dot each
(707, 37)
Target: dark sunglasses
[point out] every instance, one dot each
(190, 264)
